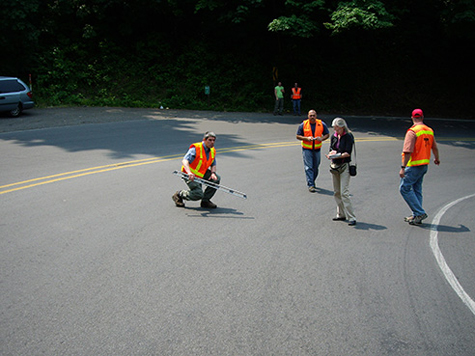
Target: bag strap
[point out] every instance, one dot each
(353, 153)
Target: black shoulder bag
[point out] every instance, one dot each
(352, 166)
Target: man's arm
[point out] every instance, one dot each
(213, 171)
(406, 156)
(322, 138)
(435, 150)
(408, 148)
(186, 165)
(325, 133)
(189, 157)
(300, 134)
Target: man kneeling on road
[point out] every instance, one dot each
(199, 161)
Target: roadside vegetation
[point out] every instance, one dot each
(350, 57)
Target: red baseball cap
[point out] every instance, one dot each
(417, 113)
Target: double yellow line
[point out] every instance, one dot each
(8, 188)
(80, 173)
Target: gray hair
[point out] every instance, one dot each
(338, 121)
(209, 134)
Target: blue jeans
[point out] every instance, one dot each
(311, 161)
(411, 188)
(296, 105)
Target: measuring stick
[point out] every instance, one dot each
(213, 185)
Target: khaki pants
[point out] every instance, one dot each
(341, 192)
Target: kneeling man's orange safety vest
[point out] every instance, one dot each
(201, 163)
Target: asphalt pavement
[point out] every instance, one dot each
(95, 259)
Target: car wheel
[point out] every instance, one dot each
(17, 111)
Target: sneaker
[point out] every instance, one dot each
(352, 222)
(339, 218)
(312, 189)
(208, 204)
(178, 200)
(417, 220)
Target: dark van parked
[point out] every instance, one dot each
(15, 96)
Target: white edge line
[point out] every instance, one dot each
(449, 275)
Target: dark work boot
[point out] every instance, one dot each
(178, 200)
(208, 204)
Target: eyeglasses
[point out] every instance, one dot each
(312, 115)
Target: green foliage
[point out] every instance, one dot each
(19, 34)
(295, 26)
(71, 77)
(164, 52)
(458, 17)
(365, 14)
(303, 21)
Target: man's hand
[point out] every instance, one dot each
(402, 173)
(191, 176)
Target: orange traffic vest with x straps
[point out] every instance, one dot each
(307, 132)
(423, 145)
(201, 163)
(296, 93)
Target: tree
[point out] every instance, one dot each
(364, 14)
(19, 34)
(306, 19)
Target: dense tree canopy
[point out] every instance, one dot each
(355, 56)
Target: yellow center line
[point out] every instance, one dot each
(115, 166)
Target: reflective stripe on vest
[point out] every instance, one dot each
(296, 93)
(424, 142)
(201, 163)
(307, 132)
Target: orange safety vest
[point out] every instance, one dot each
(296, 93)
(424, 142)
(307, 132)
(201, 163)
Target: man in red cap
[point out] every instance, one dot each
(416, 154)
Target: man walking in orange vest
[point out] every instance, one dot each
(200, 162)
(312, 132)
(296, 97)
(418, 143)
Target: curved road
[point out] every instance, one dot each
(95, 259)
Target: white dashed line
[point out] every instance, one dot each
(449, 275)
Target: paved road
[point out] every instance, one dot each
(95, 259)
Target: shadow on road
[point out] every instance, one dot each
(218, 213)
(367, 226)
(164, 131)
(446, 228)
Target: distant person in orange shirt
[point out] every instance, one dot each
(416, 154)
(296, 98)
